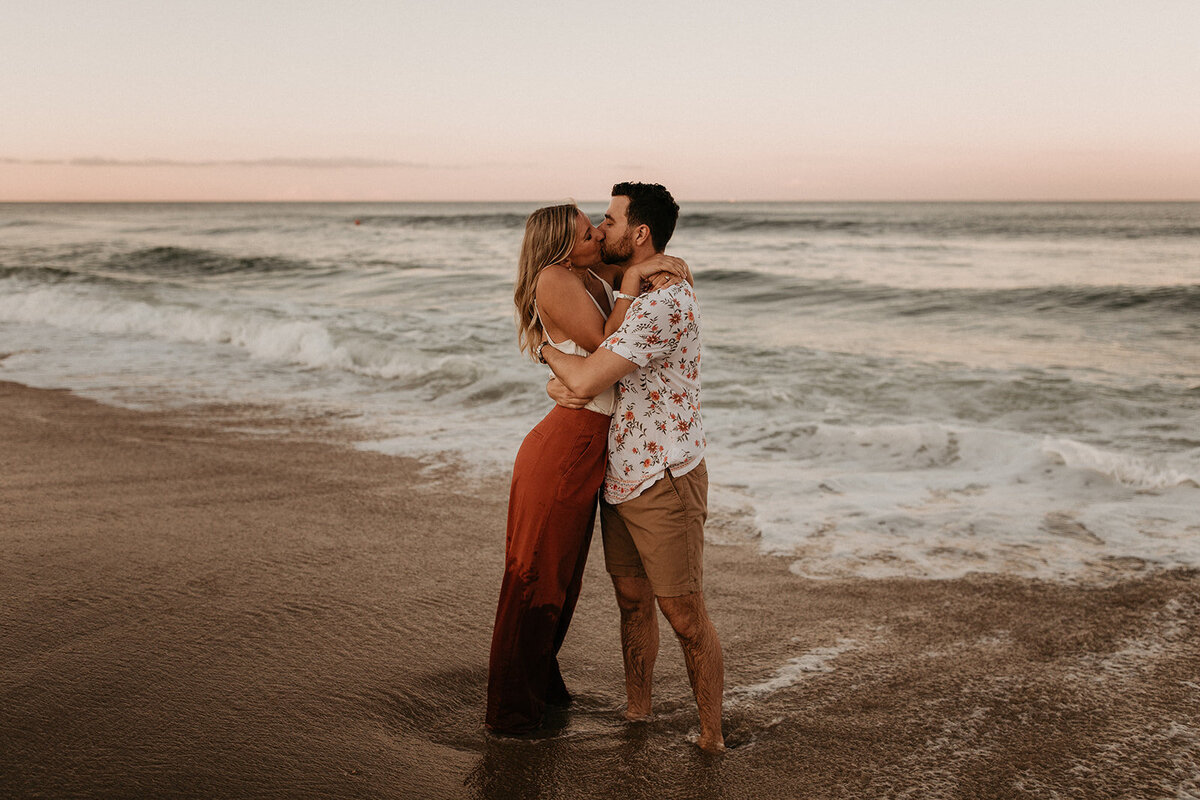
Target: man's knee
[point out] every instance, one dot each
(634, 595)
(687, 615)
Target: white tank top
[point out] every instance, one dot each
(605, 402)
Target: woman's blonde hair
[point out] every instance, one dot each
(549, 238)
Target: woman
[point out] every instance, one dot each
(564, 300)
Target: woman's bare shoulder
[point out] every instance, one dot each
(555, 275)
(556, 282)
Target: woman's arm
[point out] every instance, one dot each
(567, 309)
(657, 272)
(667, 269)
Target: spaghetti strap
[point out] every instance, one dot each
(538, 314)
(608, 290)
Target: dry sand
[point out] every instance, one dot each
(186, 610)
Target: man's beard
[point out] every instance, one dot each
(617, 252)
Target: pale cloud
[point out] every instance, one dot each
(292, 163)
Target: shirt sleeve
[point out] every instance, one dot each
(648, 331)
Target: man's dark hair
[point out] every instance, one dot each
(650, 204)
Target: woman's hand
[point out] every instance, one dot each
(655, 273)
(660, 281)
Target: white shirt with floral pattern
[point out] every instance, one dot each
(656, 424)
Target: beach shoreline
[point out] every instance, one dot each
(192, 609)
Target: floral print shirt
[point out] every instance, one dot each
(656, 424)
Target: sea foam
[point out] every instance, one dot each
(264, 334)
(943, 501)
(1123, 468)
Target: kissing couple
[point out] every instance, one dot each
(625, 429)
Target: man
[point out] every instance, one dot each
(655, 496)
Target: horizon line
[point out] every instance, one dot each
(722, 201)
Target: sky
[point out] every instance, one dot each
(538, 101)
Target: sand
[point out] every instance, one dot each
(229, 602)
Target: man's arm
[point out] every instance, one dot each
(563, 396)
(588, 376)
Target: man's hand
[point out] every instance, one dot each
(560, 394)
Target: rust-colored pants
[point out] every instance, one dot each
(551, 510)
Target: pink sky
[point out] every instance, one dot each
(528, 101)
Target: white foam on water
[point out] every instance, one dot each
(269, 335)
(940, 501)
(363, 367)
(1126, 469)
(797, 669)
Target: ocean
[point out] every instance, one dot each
(890, 389)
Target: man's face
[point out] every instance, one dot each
(617, 247)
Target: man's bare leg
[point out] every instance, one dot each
(639, 641)
(705, 662)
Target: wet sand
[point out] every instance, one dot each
(188, 610)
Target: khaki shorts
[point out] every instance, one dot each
(659, 535)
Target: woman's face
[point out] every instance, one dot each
(586, 252)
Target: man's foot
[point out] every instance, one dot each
(635, 715)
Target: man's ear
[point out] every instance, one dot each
(642, 236)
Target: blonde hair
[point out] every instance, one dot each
(549, 238)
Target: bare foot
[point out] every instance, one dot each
(632, 715)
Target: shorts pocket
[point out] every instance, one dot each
(674, 492)
(691, 490)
